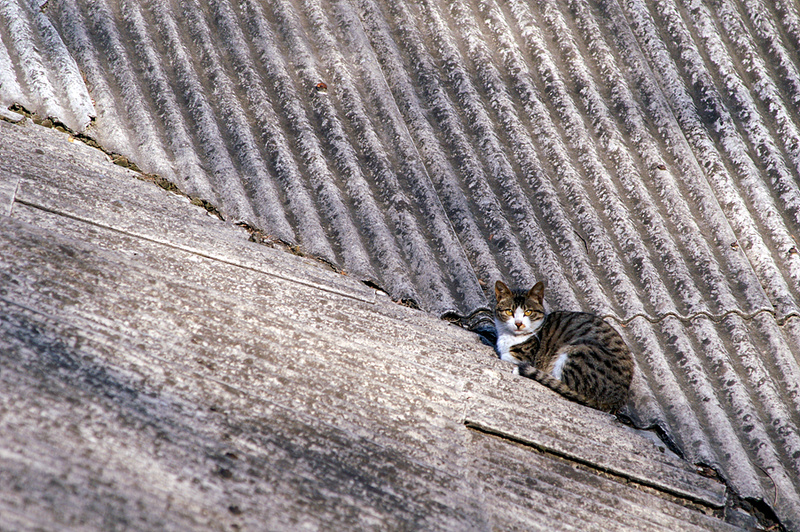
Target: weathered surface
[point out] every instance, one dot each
(581, 435)
(159, 371)
(641, 157)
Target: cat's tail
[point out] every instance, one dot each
(529, 371)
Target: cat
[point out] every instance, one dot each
(576, 354)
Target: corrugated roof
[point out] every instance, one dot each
(642, 158)
(160, 371)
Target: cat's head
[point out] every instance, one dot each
(519, 312)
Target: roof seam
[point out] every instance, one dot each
(716, 318)
(684, 496)
(188, 249)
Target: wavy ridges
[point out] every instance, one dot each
(37, 70)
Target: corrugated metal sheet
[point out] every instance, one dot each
(641, 157)
(37, 70)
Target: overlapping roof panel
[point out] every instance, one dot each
(162, 372)
(643, 158)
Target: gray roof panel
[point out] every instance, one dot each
(642, 158)
(38, 70)
(160, 371)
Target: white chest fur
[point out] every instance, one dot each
(504, 343)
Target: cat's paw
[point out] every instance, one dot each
(515, 371)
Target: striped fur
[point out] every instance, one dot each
(576, 354)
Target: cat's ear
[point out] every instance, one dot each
(537, 292)
(501, 290)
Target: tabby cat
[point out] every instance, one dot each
(576, 354)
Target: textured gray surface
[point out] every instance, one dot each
(151, 382)
(642, 157)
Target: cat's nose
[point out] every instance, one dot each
(519, 324)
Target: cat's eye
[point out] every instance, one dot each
(508, 312)
(528, 312)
